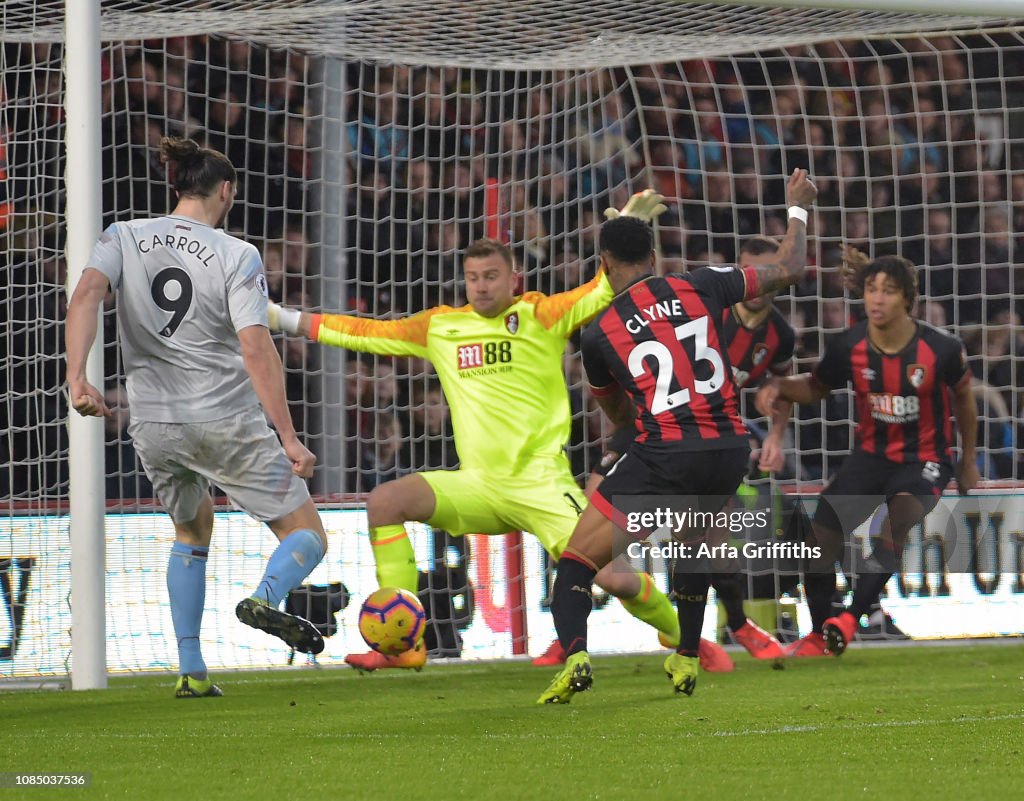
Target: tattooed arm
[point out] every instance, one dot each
(792, 253)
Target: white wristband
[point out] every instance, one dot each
(799, 213)
(289, 319)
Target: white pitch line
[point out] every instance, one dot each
(881, 724)
(160, 735)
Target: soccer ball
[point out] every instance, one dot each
(391, 621)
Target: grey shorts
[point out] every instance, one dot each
(240, 454)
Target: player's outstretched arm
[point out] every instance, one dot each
(793, 388)
(566, 311)
(79, 334)
(404, 337)
(792, 252)
(966, 412)
(291, 321)
(263, 364)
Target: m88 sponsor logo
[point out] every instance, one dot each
(894, 408)
(479, 354)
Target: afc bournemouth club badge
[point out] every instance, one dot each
(916, 374)
(512, 322)
(760, 351)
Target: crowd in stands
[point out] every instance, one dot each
(911, 144)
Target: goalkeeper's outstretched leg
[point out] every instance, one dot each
(389, 506)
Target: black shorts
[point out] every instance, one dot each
(617, 446)
(709, 478)
(865, 481)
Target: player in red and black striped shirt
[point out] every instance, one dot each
(908, 379)
(657, 353)
(761, 342)
(758, 340)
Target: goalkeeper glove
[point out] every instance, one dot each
(281, 319)
(646, 205)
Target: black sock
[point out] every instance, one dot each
(865, 594)
(691, 600)
(820, 587)
(571, 603)
(730, 593)
(869, 585)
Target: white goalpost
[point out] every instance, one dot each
(85, 435)
(374, 142)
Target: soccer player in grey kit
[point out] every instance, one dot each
(192, 313)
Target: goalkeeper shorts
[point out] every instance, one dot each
(544, 501)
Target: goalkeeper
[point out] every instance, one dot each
(499, 361)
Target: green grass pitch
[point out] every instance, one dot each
(880, 723)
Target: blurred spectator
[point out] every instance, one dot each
(429, 444)
(933, 313)
(377, 134)
(436, 276)
(530, 239)
(295, 357)
(126, 481)
(568, 269)
(995, 431)
(704, 153)
(991, 276)
(178, 118)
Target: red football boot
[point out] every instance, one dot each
(413, 659)
(553, 656)
(839, 632)
(713, 658)
(758, 642)
(811, 645)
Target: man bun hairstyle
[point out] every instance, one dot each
(195, 171)
(628, 240)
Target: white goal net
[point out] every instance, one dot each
(374, 141)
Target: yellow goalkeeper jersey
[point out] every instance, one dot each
(502, 375)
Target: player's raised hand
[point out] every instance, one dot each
(967, 476)
(302, 458)
(800, 191)
(646, 205)
(766, 397)
(87, 400)
(853, 262)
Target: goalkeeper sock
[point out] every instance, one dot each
(691, 600)
(571, 602)
(186, 588)
(295, 557)
(396, 562)
(653, 607)
(727, 587)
